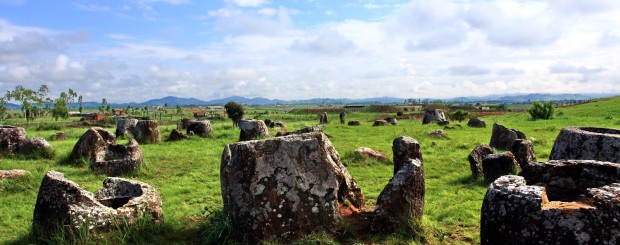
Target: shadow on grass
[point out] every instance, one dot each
(469, 180)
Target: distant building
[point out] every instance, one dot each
(118, 112)
(215, 108)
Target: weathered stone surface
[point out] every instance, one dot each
(496, 165)
(62, 203)
(558, 202)
(343, 117)
(279, 124)
(405, 148)
(184, 123)
(370, 153)
(439, 133)
(115, 160)
(434, 115)
(285, 187)
(200, 128)
(402, 200)
(36, 147)
(502, 137)
(59, 136)
(10, 138)
(90, 143)
(601, 144)
(252, 129)
(391, 120)
(476, 122)
(312, 129)
(268, 122)
(147, 131)
(323, 118)
(176, 135)
(125, 127)
(379, 123)
(12, 174)
(475, 159)
(523, 151)
(353, 123)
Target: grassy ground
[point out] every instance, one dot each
(186, 174)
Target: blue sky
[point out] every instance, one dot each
(135, 50)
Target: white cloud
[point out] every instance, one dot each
(330, 43)
(249, 3)
(238, 21)
(467, 70)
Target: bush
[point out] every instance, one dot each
(460, 115)
(400, 113)
(542, 110)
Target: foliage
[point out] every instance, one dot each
(32, 101)
(104, 106)
(540, 110)
(235, 112)
(460, 115)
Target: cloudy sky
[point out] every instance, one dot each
(136, 50)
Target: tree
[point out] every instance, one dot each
(234, 111)
(80, 102)
(542, 110)
(460, 115)
(32, 101)
(60, 109)
(179, 111)
(103, 106)
(3, 108)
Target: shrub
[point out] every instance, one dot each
(460, 115)
(400, 113)
(542, 110)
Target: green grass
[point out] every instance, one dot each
(186, 174)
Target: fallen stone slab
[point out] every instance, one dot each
(370, 153)
(12, 174)
(61, 203)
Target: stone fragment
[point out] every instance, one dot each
(592, 143)
(268, 121)
(391, 120)
(402, 200)
(12, 174)
(286, 187)
(370, 153)
(476, 122)
(312, 129)
(252, 129)
(279, 124)
(115, 160)
(147, 131)
(557, 202)
(61, 203)
(36, 147)
(380, 123)
(496, 165)
(439, 133)
(343, 117)
(503, 138)
(10, 138)
(523, 151)
(475, 159)
(434, 115)
(176, 135)
(323, 118)
(201, 128)
(184, 123)
(93, 141)
(125, 127)
(353, 123)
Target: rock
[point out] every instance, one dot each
(252, 129)
(496, 165)
(147, 131)
(405, 148)
(434, 115)
(503, 138)
(439, 133)
(90, 143)
(523, 150)
(370, 153)
(318, 128)
(267, 122)
(380, 123)
(323, 118)
(201, 128)
(286, 187)
(12, 174)
(125, 127)
(601, 144)
(279, 124)
(59, 136)
(476, 123)
(176, 135)
(391, 120)
(116, 160)
(353, 123)
(557, 202)
(10, 138)
(475, 159)
(342, 117)
(36, 147)
(402, 200)
(184, 123)
(61, 203)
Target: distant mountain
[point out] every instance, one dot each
(172, 101)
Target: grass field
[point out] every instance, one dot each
(186, 174)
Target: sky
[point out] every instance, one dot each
(136, 50)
